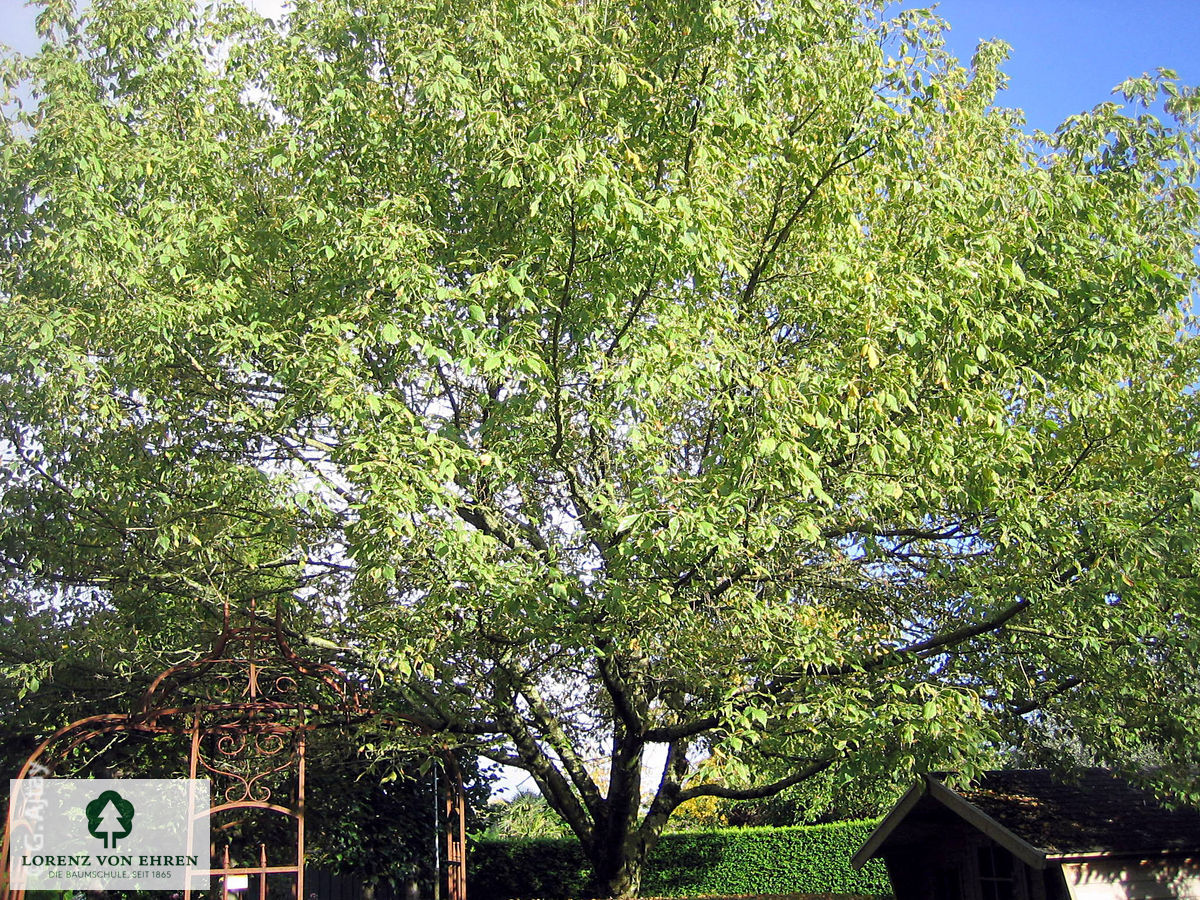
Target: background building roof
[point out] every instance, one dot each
(1092, 811)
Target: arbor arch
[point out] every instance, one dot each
(243, 714)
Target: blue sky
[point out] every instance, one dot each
(16, 25)
(1067, 54)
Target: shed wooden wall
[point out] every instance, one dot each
(947, 867)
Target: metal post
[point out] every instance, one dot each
(437, 840)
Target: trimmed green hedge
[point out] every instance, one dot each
(813, 859)
(805, 859)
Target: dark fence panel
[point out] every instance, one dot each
(323, 885)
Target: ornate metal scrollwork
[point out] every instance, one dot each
(247, 708)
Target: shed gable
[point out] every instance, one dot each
(1025, 835)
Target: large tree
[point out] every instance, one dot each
(731, 380)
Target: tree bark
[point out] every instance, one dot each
(617, 868)
(619, 848)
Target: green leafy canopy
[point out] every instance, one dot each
(730, 378)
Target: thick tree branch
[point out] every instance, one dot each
(763, 790)
(681, 731)
(562, 745)
(950, 638)
(666, 798)
(501, 526)
(1037, 703)
(617, 689)
(554, 787)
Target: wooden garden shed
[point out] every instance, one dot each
(1030, 835)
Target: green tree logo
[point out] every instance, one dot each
(110, 816)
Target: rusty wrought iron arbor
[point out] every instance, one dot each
(246, 712)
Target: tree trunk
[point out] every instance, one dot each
(619, 847)
(617, 868)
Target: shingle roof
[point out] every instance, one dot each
(1092, 811)
(1038, 816)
